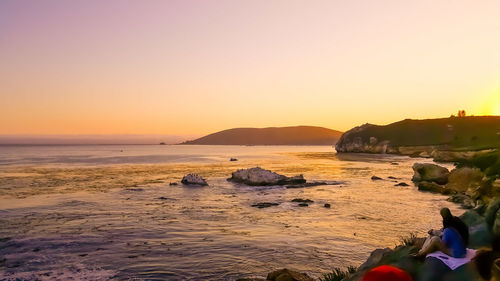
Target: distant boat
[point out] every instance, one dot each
(162, 143)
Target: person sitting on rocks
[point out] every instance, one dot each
(452, 221)
(451, 240)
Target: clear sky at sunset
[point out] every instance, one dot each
(196, 67)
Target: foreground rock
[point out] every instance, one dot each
(430, 173)
(261, 177)
(282, 275)
(288, 275)
(194, 179)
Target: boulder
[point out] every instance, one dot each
(432, 187)
(261, 177)
(375, 257)
(461, 179)
(430, 172)
(193, 179)
(288, 275)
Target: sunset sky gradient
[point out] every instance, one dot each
(196, 67)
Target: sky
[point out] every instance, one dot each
(197, 67)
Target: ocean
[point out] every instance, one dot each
(99, 212)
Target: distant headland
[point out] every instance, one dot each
(298, 135)
(443, 139)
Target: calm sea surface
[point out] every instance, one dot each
(108, 212)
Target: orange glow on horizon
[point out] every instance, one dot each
(193, 67)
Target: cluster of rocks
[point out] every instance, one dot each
(302, 203)
(394, 179)
(466, 186)
(258, 177)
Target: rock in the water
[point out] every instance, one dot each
(327, 205)
(261, 177)
(194, 179)
(402, 184)
(288, 275)
(172, 183)
(303, 205)
(264, 205)
(233, 159)
(316, 183)
(375, 178)
(300, 200)
(430, 172)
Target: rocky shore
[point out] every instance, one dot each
(474, 184)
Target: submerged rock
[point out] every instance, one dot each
(300, 200)
(194, 179)
(261, 205)
(233, 159)
(402, 184)
(327, 205)
(316, 183)
(261, 177)
(430, 172)
(288, 275)
(303, 204)
(375, 178)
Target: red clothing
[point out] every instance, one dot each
(387, 273)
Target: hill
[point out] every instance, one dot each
(452, 134)
(299, 135)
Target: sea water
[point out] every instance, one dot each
(101, 212)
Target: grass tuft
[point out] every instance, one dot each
(338, 274)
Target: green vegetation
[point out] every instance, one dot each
(456, 133)
(338, 274)
(488, 162)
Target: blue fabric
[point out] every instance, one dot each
(453, 240)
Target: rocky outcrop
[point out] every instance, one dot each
(288, 275)
(351, 141)
(261, 177)
(194, 179)
(430, 173)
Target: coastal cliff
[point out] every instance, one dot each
(444, 139)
